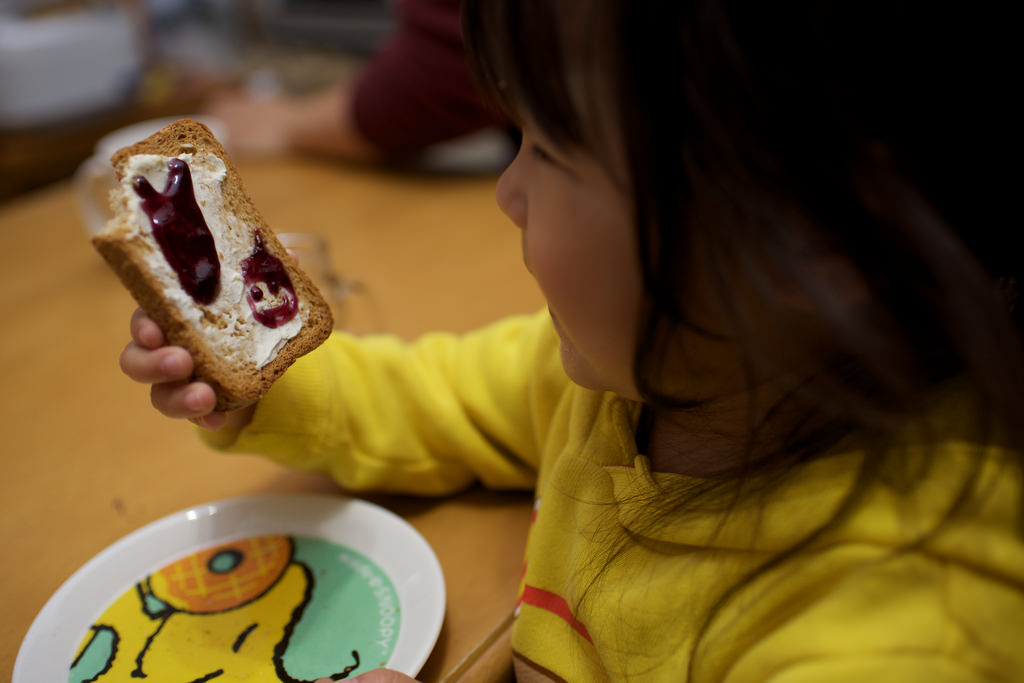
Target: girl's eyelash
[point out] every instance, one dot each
(542, 154)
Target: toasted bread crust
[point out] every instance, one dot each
(236, 383)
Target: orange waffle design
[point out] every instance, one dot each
(223, 577)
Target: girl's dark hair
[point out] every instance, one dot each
(777, 141)
(847, 156)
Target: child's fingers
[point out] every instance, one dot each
(144, 331)
(213, 421)
(167, 368)
(184, 399)
(163, 364)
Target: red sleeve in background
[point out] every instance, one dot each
(417, 89)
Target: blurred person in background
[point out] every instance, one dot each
(415, 92)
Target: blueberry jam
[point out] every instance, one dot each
(263, 268)
(181, 231)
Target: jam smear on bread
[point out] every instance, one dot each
(181, 231)
(263, 268)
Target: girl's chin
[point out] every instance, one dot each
(582, 372)
(572, 362)
(578, 369)
(557, 324)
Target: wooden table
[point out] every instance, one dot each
(87, 460)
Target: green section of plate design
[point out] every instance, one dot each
(353, 601)
(271, 608)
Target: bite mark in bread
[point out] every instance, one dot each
(243, 338)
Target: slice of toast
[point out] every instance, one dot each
(193, 251)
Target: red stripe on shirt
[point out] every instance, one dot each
(556, 604)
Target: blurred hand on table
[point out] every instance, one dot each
(318, 124)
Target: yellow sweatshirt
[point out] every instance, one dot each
(619, 586)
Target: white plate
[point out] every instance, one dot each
(378, 549)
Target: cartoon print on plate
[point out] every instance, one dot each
(268, 608)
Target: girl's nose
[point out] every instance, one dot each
(509, 194)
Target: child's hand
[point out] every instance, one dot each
(148, 360)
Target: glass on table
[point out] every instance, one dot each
(312, 253)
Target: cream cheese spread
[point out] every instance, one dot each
(229, 314)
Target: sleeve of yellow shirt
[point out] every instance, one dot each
(428, 417)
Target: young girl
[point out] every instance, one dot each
(774, 412)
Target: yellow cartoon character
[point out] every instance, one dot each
(224, 612)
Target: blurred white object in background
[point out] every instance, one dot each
(58, 67)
